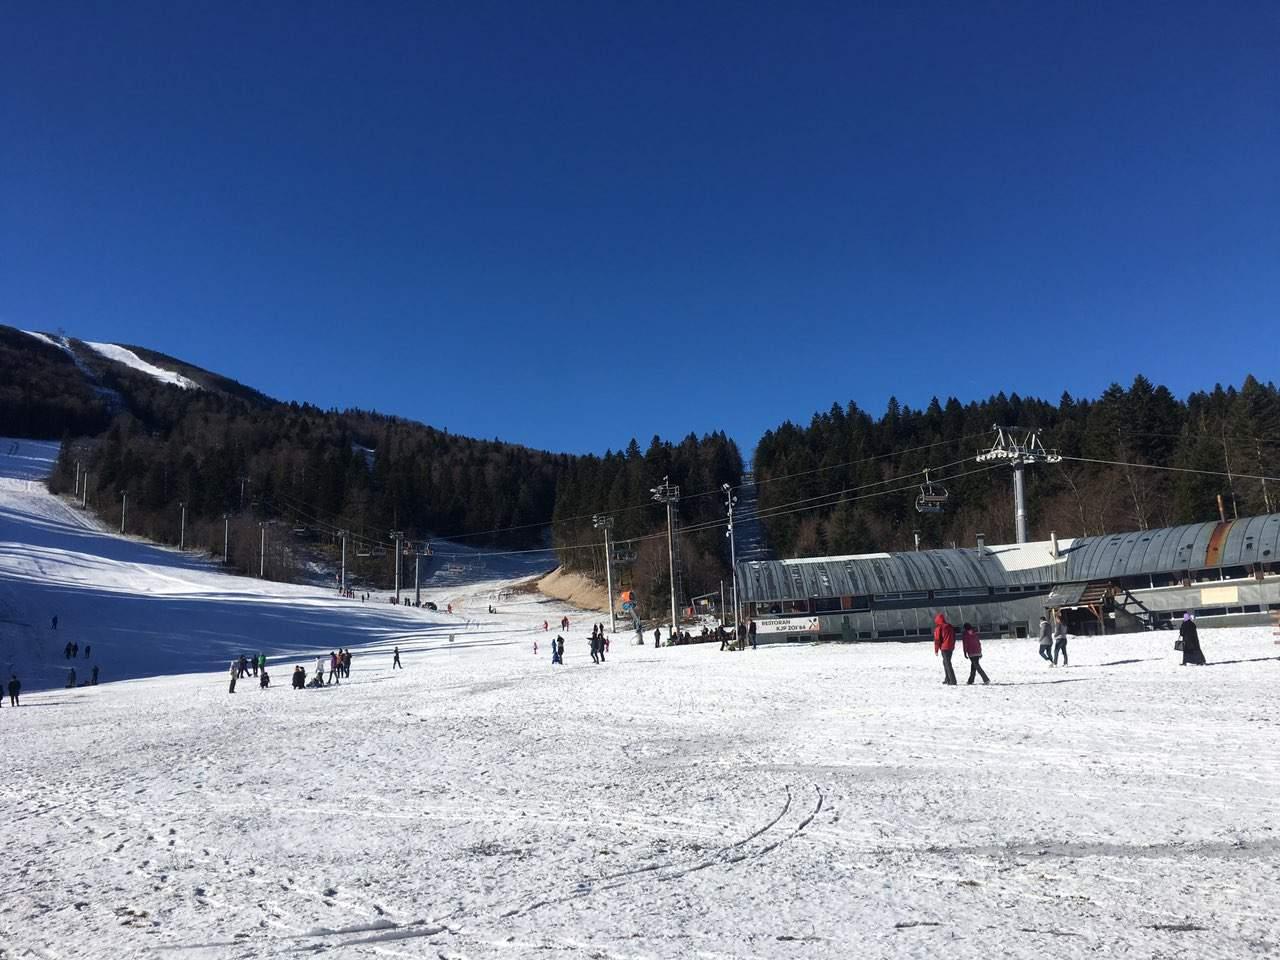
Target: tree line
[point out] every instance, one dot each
(1219, 432)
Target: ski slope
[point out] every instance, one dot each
(795, 801)
(130, 359)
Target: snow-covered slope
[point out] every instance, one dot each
(144, 610)
(130, 359)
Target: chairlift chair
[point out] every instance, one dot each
(932, 497)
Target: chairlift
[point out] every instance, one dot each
(363, 553)
(932, 497)
(379, 551)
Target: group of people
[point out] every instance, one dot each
(1054, 638)
(72, 650)
(92, 681)
(599, 643)
(944, 644)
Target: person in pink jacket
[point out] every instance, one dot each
(973, 650)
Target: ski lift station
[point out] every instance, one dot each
(1226, 573)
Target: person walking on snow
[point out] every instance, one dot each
(395, 662)
(1190, 636)
(973, 650)
(1046, 641)
(335, 675)
(555, 651)
(657, 637)
(751, 633)
(944, 642)
(235, 672)
(1060, 641)
(15, 687)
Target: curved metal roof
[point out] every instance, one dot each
(1167, 550)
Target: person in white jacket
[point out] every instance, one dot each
(235, 670)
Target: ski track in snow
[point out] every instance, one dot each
(794, 801)
(130, 359)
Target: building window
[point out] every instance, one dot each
(826, 604)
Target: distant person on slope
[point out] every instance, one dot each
(87, 648)
(1060, 641)
(15, 687)
(1190, 636)
(235, 672)
(657, 637)
(973, 650)
(71, 677)
(94, 681)
(944, 642)
(54, 623)
(395, 661)
(1046, 641)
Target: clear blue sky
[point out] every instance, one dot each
(567, 224)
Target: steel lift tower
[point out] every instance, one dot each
(1018, 449)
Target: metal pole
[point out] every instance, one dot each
(77, 478)
(417, 578)
(1266, 496)
(730, 500)
(671, 556)
(342, 585)
(242, 480)
(182, 526)
(124, 507)
(397, 537)
(1019, 501)
(722, 611)
(608, 574)
(262, 552)
(226, 536)
(84, 492)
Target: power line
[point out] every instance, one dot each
(1155, 466)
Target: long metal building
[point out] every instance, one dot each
(1225, 573)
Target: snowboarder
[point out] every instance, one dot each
(944, 642)
(235, 673)
(1190, 636)
(395, 660)
(751, 633)
(1046, 641)
(15, 687)
(1060, 642)
(973, 650)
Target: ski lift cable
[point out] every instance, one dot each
(1156, 466)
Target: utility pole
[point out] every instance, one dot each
(342, 579)
(1266, 497)
(124, 507)
(916, 534)
(243, 481)
(77, 478)
(262, 550)
(1018, 453)
(669, 493)
(182, 525)
(604, 522)
(398, 537)
(729, 501)
(84, 493)
(226, 537)
(1231, 483)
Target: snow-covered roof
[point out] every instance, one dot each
(1028, 556)
(130, 359)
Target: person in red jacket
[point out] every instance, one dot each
(944, 642)
(973, 650)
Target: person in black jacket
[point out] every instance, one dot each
(1190, 636)
(15, 687)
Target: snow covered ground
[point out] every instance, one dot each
(795, 801)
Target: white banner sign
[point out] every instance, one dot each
(788, 625)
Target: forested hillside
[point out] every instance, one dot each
(848, 455)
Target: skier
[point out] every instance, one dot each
(395, 662)
(15, 687)
(944, 642)
(1060, 641)
(973, 650)
(1190, 636)
(751, 633)
(235, 668)
(1046, 641)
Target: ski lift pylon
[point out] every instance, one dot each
(932, 497)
